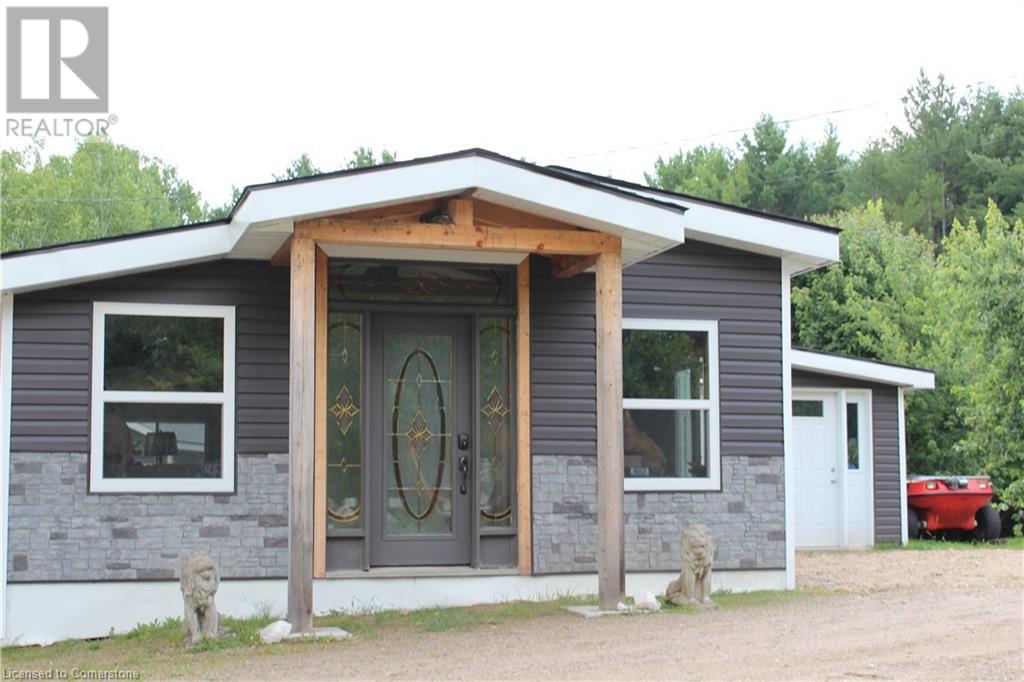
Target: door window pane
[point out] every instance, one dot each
(418, 473)
(665, 364)
(160, 440)
(496, 421)
(666, 443)
(852, 436)
(163, 353)
(344, 420)
(808, 408)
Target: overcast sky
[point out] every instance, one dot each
(231, 92)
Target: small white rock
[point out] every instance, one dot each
(646, 601)
(621, 607)
(275, 632)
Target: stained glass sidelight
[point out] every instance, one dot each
(496, 421)
(344, 427)
(418, 474)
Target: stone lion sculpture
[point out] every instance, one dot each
(199, 583)
(693, 586)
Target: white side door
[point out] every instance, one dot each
(817, 477)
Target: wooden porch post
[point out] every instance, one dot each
(611, 575)
(301, 439)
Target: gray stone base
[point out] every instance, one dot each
(57, 531)
(747, 518)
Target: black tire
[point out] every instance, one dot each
(989, 523)
(913, 524)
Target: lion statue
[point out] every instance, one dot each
(693, 586)
(199, 583)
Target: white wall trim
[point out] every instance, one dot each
(99, 395)
(904, 533)
(712, 404)
(6, 375)
(866, 370)
(787, 431)
(92, 609)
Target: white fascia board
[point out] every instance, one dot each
(63, 266)
(865, 370)
(508, 184)
(758, 234)
(713, 223)
(585, 206)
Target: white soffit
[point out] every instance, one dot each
(112, 258)
(909, 378)
(645, 228)
(806, 246)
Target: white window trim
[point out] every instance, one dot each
(100, 396)
(711, 404)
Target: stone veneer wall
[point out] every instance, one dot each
(747, 519)
(59, 532)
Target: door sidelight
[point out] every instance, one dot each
(464, 470)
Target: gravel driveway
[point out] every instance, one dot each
(950, 614)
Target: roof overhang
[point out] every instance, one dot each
(265, 215)
(804, 245)
(908, 378)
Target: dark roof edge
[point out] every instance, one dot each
(688, 197)
(854, 357)
(115, 238)
(560, 174)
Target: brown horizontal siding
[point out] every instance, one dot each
(743, 292)
(52, 351)
(694, 281)
(563, 369)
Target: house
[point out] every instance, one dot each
(450, 380)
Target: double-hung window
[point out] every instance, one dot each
(163, 386)
(670, 404)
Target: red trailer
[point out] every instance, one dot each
(937, 503)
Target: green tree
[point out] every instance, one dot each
(979, 319)
(877, 302)
(101, 190)
(302, 167)
(766, 172)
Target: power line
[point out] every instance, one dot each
(708, 136)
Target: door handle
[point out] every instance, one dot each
(464, 470)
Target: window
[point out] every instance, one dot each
(670, 404)
(852, 439)
(808, 408)
(163, 380)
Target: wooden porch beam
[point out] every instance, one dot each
(302, 403)
(564, 267)
(320, 423)
(524, 482)
(461, 211)
(463, 237)
(282, 257)
(611, 574)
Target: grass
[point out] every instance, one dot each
(931, 544)
(157, 649)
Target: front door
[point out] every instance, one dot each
(420, 453)
(817, 490)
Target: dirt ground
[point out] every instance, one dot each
(930, 615)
